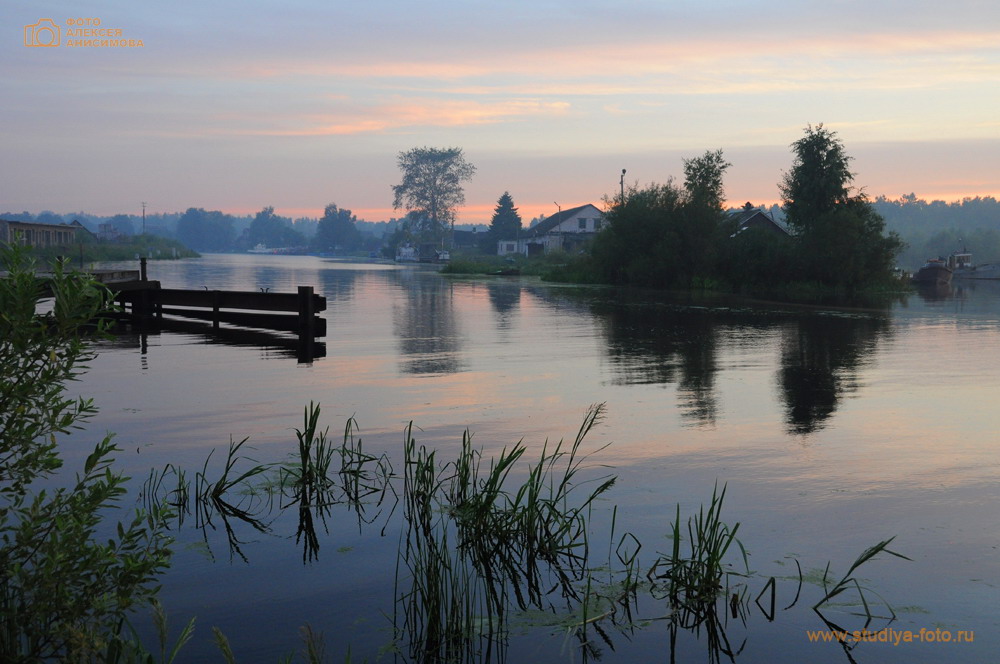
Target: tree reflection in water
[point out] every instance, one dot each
(820, 358)
(427, 324)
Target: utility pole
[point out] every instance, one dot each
(623, 186)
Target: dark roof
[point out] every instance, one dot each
(467, 238)
(746, 215)
(544, 226)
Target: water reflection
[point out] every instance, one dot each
(934, 292)
(337, 286)
(505, 298)
(426, 323)
(270, 343)
(820, 357)
(652, 340)
(665, 344)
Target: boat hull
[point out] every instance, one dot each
(934, 274)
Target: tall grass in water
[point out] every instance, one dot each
(848, 582)
(476, 548)
(247, 491)
(694, 578)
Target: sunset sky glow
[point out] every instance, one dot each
(239, 105)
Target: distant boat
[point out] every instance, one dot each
(935, 272)
(406, 254)
(962, 267)
(261, 248)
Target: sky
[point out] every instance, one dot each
(237, 105)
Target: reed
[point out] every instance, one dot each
(478, 544)
(847, 582)
(694, 579)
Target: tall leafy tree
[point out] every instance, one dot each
(206, 230)
(703, 179)
(820, 179)
(272, 230)
(336, 230)
(842, 241)
(432, 186)
(122, 224)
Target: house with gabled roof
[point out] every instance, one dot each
(567, 230)
(753, 217)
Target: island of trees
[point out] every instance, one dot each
(681, 235)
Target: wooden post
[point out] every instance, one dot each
(217, 299)
(145, 309)
(306, 331)
(142, 269)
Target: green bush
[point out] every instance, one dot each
(68, 579)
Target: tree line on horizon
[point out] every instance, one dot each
(431, 191)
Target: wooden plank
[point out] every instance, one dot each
(121, 286)
(233, 299)
(279, 322)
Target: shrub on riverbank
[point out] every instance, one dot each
(150, 246)
(507, 265)
(66, 587)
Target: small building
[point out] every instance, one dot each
(82, 232)
(567, 230)
(753, 217)
(108, 232)
(37, 235)
(461, 239)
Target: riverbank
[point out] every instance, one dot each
(562, 268)
(153, 247)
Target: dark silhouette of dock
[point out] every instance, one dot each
(145, 304)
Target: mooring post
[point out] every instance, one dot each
(145, 308)
(307, 333)
(216, 302)
(142, 269)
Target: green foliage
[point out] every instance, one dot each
(820, 179)
(694, 579)
(703, 179)
(848, 582)
(505, 224)
(206, 230)
(661, 236)
(759, 261)
(65, 589)
(336, 230)
(477, 547)
(272, 230)
(92, 250)
(432, 186)
(841, 238)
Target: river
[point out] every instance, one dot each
(832, 429)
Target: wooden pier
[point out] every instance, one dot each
(145, 303)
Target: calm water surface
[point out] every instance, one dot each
(834, 430)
